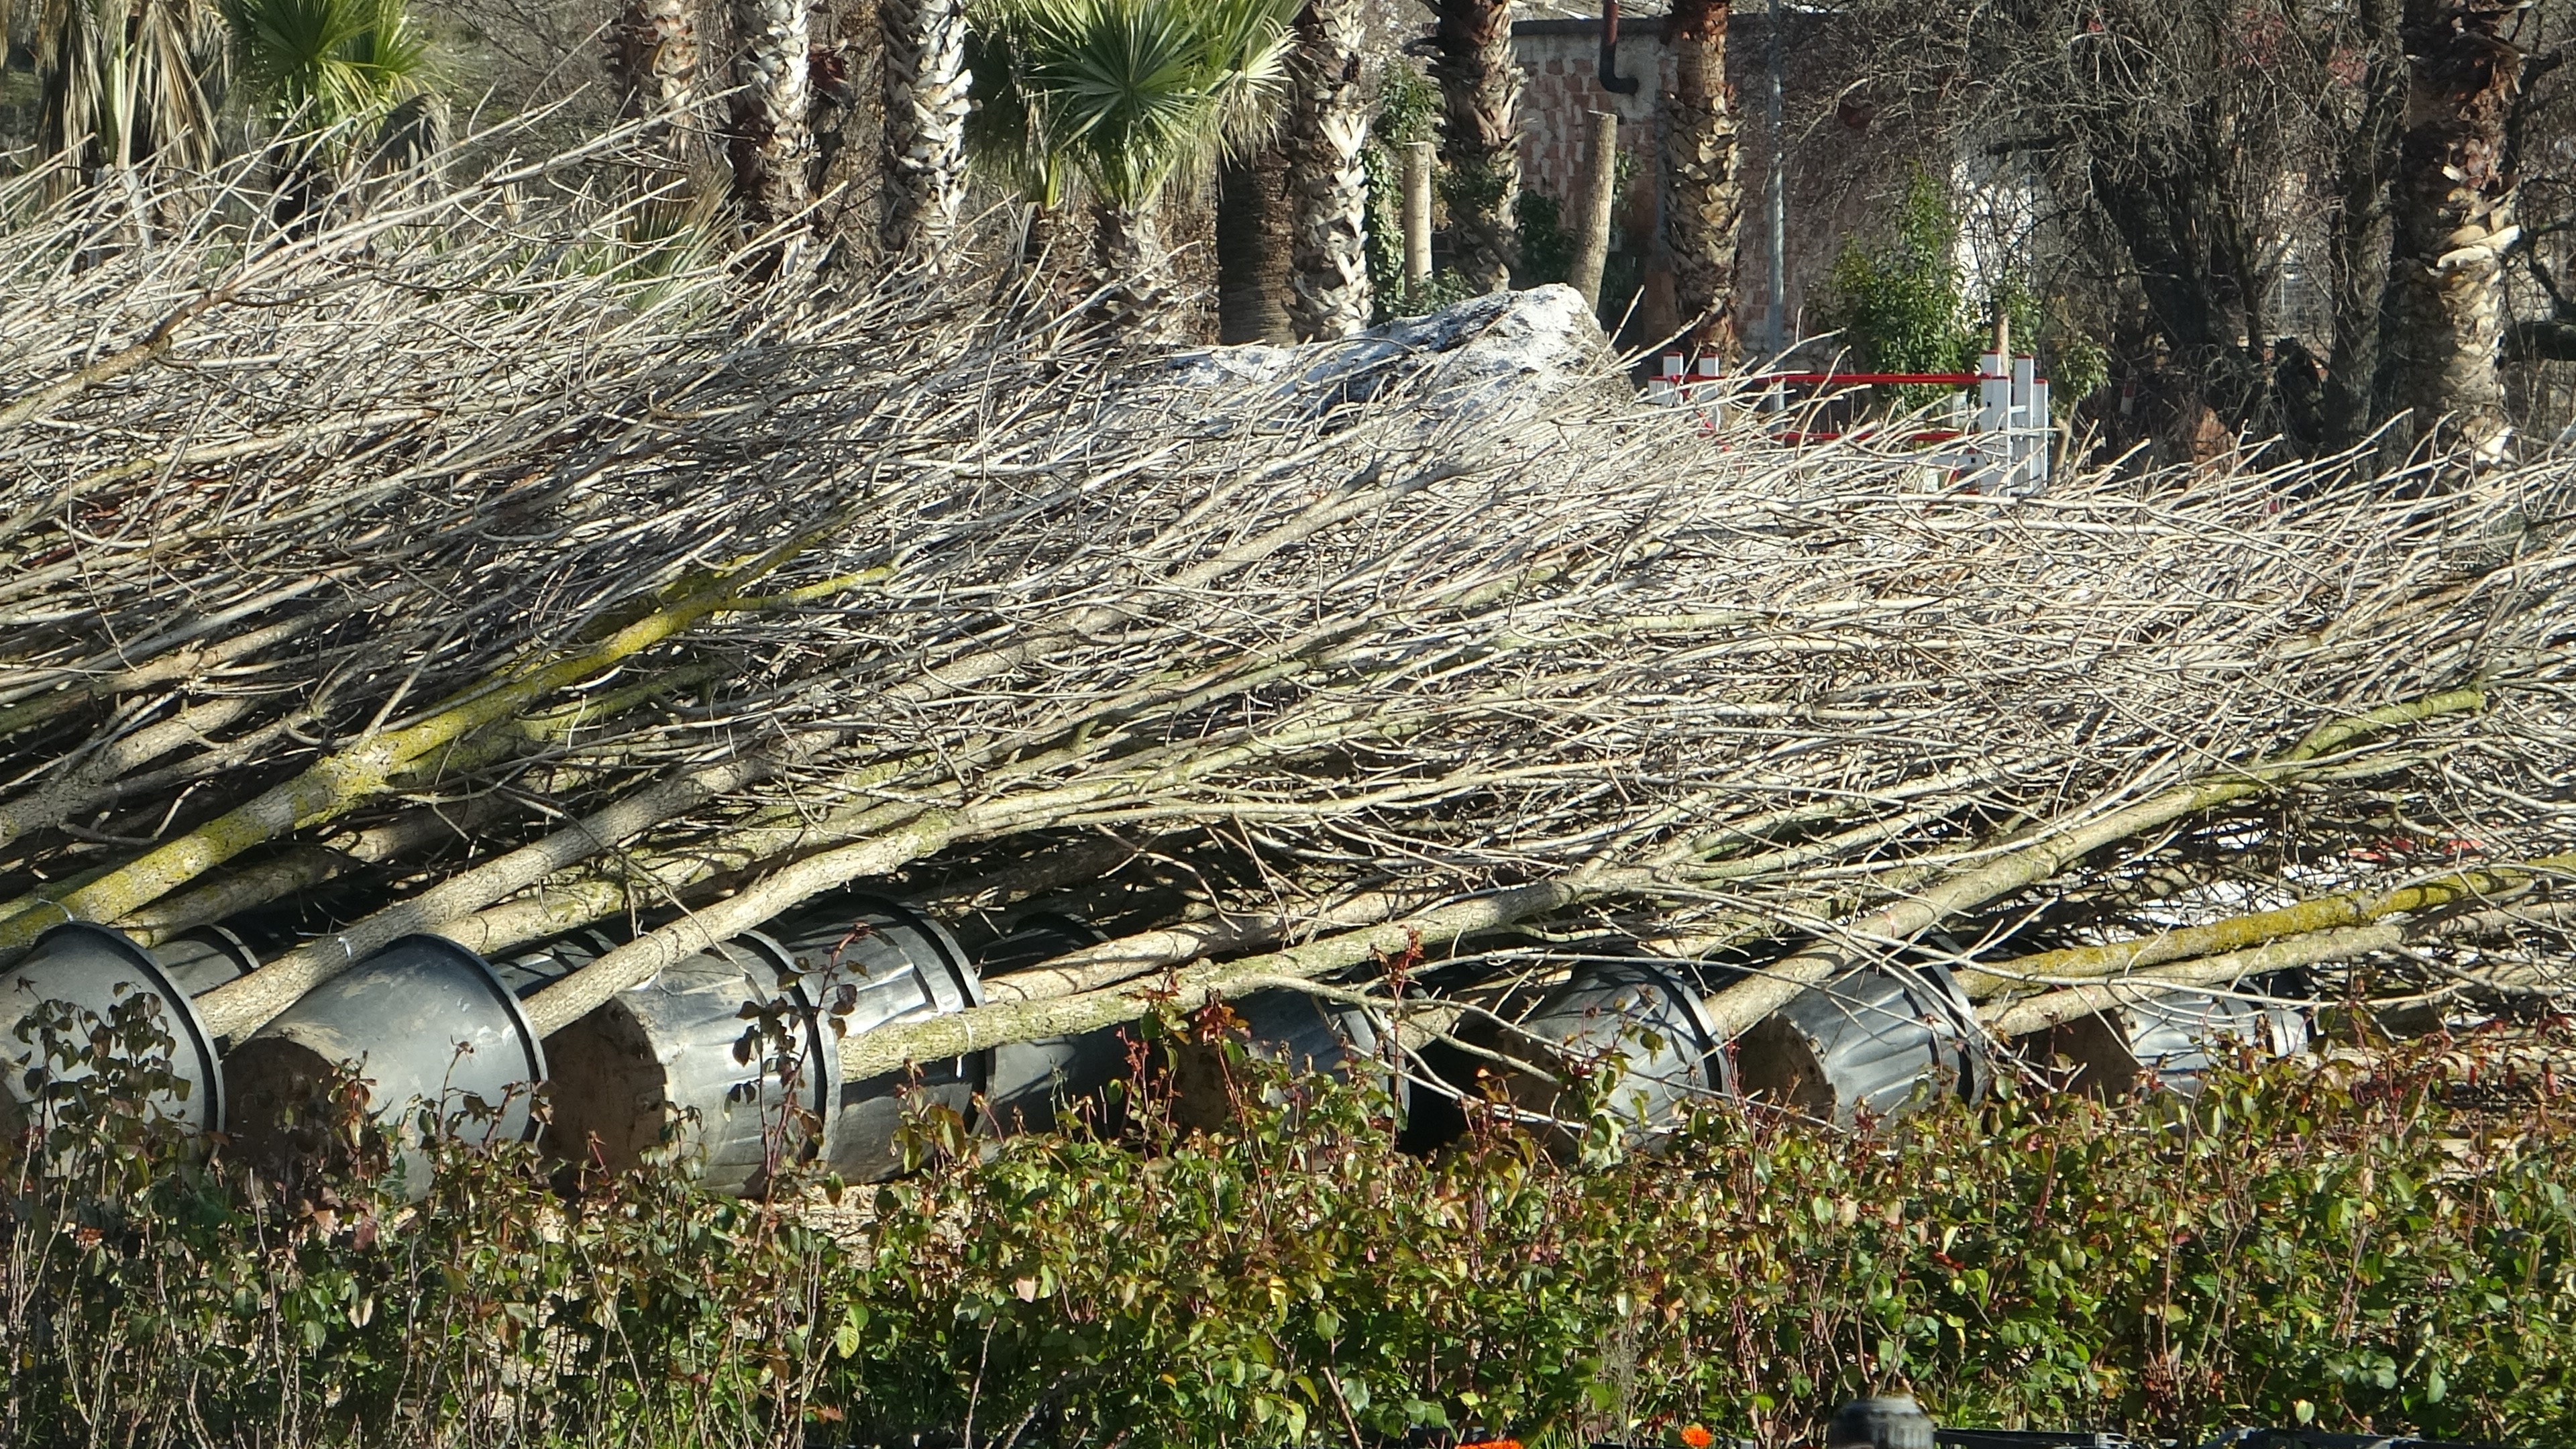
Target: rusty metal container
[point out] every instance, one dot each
(719, 1058)
(1034, 1086)
(868, 962)
(1299, 1030)
(1640, 1020)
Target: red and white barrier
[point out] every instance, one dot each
(2003, 438)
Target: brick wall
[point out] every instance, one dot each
(1560, 62)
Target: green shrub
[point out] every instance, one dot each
(2345, 1247)
(1903, 305)
(1408, 109)
(1547, 244)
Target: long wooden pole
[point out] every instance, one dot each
(1600, 198)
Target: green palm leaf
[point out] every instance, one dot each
(329, 63)
(1123, 94)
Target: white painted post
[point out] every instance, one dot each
(2025, 379)
(1994, 419)
(1665, 389)
(1417, 213)
(1705, 372)
(2046, 436)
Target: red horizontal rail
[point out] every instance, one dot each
(1924, 435)
(1878, 379)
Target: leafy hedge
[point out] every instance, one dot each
(2385, 1249)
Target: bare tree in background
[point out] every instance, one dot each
(2189, 158)
(2540, 135)
(1704, 197)
(1480, 87)
(1327, 184)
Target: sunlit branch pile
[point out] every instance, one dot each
(469, 569)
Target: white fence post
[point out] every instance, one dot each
(2025, 374)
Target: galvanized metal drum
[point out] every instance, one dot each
(2168, 1042)
(1893, 1422)
(425, 1020)
(1299, 1030)
(94, 970)
(1034, 1085)
(1632, 1029)
(203, 959)
(720, 1057)
(1864, 1042)
(868, 962)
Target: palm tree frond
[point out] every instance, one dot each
(330, 64)
(1125, 94)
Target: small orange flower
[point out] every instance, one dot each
(1697, 1437)
(1493, 1444)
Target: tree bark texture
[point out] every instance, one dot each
(925, 121)
(1703, 194)
(2357, 234)
(2453, 202)
(1328, 276)
(1599, 197)
(1127, 256)
(1252, 248)
(653, 57)
(771, 143)
(1480, 87)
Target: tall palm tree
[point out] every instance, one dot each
(345, 81)
(1704, 197)
(1117, 98)
(2453, 202)
(770, 140)
(1252, 247)
(926, 103)
(1327, 181)
(128, 86)
(1480, 87)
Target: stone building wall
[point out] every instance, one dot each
(1560, 61)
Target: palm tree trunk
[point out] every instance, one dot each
(1252, 245)
(653, 57)
(925, 121)
(652, 63)
(771, 142)
(2453, 200)
(1128, 255)
(1480, 85)
(1328, 184)
(1703, 197)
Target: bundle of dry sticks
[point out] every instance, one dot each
(468, 567)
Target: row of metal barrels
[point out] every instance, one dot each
(730, 1054)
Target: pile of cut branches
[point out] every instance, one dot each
(453, 570)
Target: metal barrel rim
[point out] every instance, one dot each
(192, 1026)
